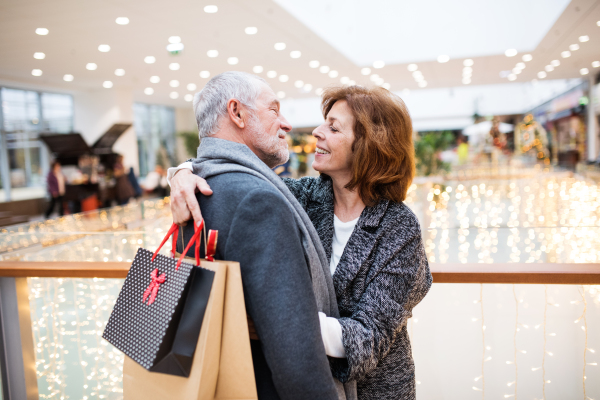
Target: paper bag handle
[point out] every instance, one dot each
(174, 232)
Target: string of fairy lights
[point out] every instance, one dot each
(523, 216)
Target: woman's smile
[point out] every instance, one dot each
(321, 151)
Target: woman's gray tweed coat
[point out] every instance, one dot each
(382, 275)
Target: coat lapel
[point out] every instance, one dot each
(359, 246)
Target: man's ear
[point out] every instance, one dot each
(237, 113)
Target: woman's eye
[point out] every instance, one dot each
(333, 129)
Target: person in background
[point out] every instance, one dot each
(134, 183)
(56, 189)
(156, 182)
(124, 190)
(462, 150)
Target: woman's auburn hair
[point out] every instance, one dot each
(384, 161)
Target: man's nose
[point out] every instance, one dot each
(285, 125)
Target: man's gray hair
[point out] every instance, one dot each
(210, 104)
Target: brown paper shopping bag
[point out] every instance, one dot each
(222, 367)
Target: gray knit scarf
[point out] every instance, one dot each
(219, 156)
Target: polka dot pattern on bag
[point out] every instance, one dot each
(136, 328)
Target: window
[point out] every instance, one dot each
(23, 115)
(155, 129)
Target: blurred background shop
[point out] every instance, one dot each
(83, 94)
(96, 104)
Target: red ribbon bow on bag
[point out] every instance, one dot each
(152, 289)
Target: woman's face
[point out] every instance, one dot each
(334, 142)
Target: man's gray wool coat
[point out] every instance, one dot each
(382, 275)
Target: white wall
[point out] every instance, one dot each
(448, 108)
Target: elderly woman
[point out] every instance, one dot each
(373, 240)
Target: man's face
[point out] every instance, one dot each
(267, 130)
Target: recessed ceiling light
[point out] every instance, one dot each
(313, 64)
(308, 87)
(512, 77)
(191, 87)
(36, 72)
(324, 69)
(298, 84)
(174, 39)
(380, 81)
(517, 71)
(318, 91)
(443, 58)
(333, 74)
(584, 71)
(386, 86)
(295, 54)
(148, 91)
(412, 67)
(365, 71)
(68, 78)
(279, 46)
(467, 63)
(467, 74)
(104, 48)
(598, 23)
(251, 30)
(584, 38)
(510, 52)
(565, 54)
(466, 81)
(596, 64)
(284, 78)
(422, 84)
(175, 47)
(257, 69)
(555, 63)
(232, 60)
(174, 83)
(41, 31)
(378, 64)
(154, 79)
(541, 74)
(520, 65)
(574, 47)
(119, 72)
(122, 20)
(527, 57)
(344, 80)
(188, 97)
(211, 9)
(91, 66)
(174, 95)
(374, 77)
(174, 66)
(212, 53)
(549, 68)
(107, 84)
(417, 75)
(149, 60)
(39, 56)
(204, 74)
(467, 70)
(281, 94)
(271, 74)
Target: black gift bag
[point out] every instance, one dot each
(158, 315)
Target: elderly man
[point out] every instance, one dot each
(243, 136)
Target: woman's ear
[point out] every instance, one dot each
(236, 113)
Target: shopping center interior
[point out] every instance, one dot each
(505, 106)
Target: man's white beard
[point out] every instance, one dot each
(274, 151)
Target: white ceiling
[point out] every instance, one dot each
(413, 31)
(397, 32)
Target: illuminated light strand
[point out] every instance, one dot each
(482, 342)
(544, 352)
(585, 350)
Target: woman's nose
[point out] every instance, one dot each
(317, 133)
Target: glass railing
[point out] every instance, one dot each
(469, 340)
